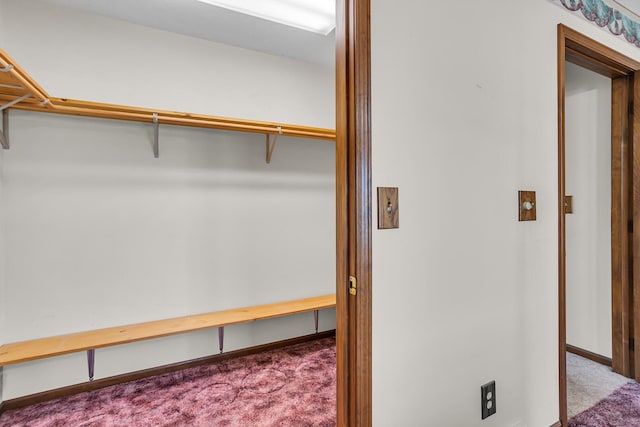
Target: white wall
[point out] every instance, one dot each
(464, 116)
(588, 179)
(99, 233)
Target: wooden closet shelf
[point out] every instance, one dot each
(63, 344)
(16, 83)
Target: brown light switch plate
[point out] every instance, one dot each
(388, 208)
(568, 204)
(527, 205)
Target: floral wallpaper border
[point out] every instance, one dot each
(603, 15)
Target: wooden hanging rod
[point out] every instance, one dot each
(15, 83)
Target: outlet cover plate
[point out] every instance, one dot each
(388, 208)
(488, 399)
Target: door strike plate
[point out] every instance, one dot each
(568, 204)
(353, 285)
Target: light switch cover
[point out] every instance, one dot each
(388, 208)
(527, 205)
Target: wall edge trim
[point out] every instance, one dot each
(595, 357)
(606, 15)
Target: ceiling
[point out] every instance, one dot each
(196, 19)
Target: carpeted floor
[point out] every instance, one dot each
(620, 409)
(290, 387)
(598, 397)
(589, 382)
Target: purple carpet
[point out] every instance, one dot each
(290, 387)
(620, 409)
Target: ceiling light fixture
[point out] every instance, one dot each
(317, 16)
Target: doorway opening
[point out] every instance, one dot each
(590, 377)
(589, 55)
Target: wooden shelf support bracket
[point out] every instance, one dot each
(91, 359)
(156, 136)
(271, 144)
(4, 134)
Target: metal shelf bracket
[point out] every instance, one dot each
(221, 338)
(156, 136)
(14, 102)
(271, 143)
(4, 133)
(91, 359)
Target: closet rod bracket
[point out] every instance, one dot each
(156, 136)
(4, 133)
(7, 68)
(14, 102)
(271, 144)
(11, 86)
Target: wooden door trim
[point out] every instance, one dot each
(353, 173)
(634, 187)
(342, 226)
(620, 203)
(562, 321)
(581, 50)
(361, 216)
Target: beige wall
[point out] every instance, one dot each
(464, 116)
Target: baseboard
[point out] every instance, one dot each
(590, 355)
(21, 402)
